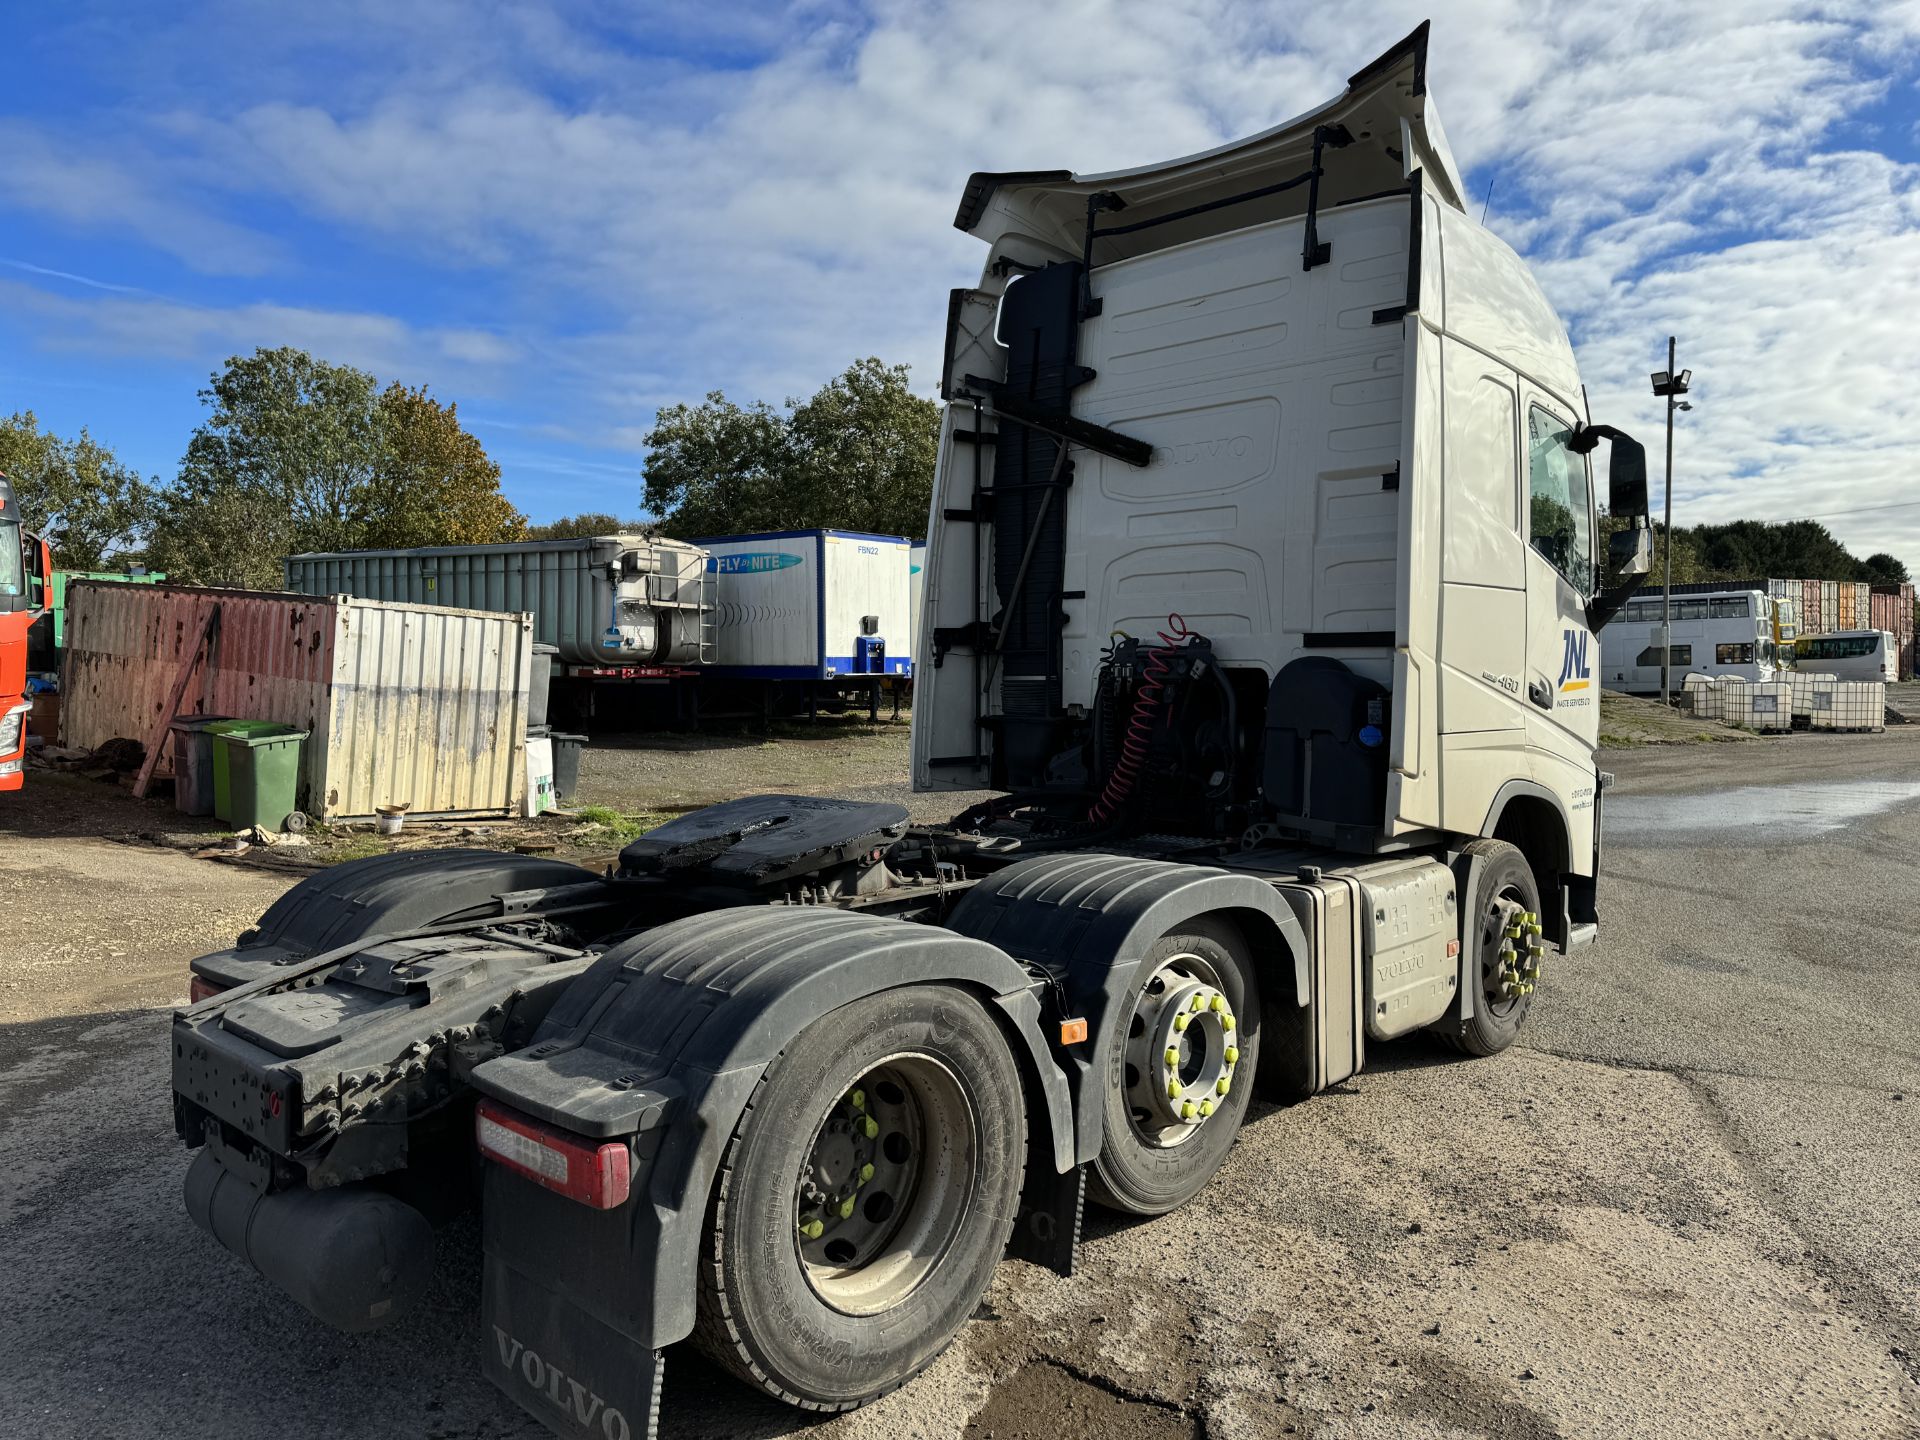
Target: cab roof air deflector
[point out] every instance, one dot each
(1384, 106)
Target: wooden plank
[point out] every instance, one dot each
(201, 645)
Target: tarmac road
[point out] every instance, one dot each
(1683, 1206)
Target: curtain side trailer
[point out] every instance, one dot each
(1259, 585)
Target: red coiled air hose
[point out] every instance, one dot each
(1146, 705)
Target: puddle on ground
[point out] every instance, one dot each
(1770, 814)
(1044, 1402)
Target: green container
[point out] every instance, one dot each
(230, 739)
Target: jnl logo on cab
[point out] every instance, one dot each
(1575, 670)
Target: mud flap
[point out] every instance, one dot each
(574, 1373)
(1047, 1230)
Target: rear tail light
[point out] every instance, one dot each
(597, 1175)
(200, 988)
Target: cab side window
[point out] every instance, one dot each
(1561, 525)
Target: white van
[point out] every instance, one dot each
(1849, 655)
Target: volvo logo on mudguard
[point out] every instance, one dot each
(570, 1396)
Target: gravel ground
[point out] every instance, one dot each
(1683, 1206)
(841, 756)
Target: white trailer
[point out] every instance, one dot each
(816, 606)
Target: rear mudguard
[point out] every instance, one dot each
(1088, 919)
(663, 1039)
(384, 895)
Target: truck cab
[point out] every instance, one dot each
(1290, 393)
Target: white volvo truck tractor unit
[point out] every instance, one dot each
(1260, 585)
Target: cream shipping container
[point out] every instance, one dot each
(411, 705)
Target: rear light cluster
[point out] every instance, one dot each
(597, 1175)
(200, 988)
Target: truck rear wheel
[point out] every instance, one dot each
(1181, 1070)
(1500, 928)
(865, 1197)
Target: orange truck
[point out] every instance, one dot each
(25, 565)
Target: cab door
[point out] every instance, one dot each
(1563, 661)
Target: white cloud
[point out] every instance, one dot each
(171, 329)
(753, 226)
(89, 187)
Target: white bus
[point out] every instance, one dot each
(1849, 655)
(1723, 633)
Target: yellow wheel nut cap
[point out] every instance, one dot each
(1173, 1054)
(872, 1127)
(1233, 1054)
(859, 1099)
(1206, 1108)
(1222, 1085)
(1188, 1109)
(1226, 1023)
(1173, 1089)
(1179, 1022)
(813, 1229)
(846, 1208)
(866, 1173)
(1219, 1004)
(1197, 1003)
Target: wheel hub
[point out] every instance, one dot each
(1181, 1050)
(1515, 943)
(885, 1184)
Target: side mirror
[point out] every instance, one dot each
(39, 575)
(1627, 478)
(1630, 552)
(1626, 468)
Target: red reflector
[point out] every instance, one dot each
(597, 1175)
(199, 989)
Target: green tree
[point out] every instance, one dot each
(716, 468)
(301, 455)
(864, 448)
(1885, 569)
(434, 484)
(858, 455)
(285, 463)
(594, 522)
(91, 508)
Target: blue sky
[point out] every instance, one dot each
(565, 216)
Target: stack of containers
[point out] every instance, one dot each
(1829, 607)
(1891, 608)
(1844, 592)
(1810, 608)
(1857, 705)
(1810, 691)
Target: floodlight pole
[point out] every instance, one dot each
(1666, 584)
(1670, 384)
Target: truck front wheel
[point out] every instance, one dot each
(1181, 1070)
(1501, 934)
(866, 1194)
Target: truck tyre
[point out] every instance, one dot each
(865, 1196)
(1505, 891)
(1180, 1072)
